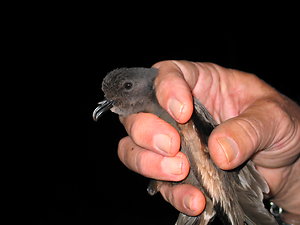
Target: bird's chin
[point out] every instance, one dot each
(120, 112)
(116, 110)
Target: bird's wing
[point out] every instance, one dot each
(250, 196)
(248, 186)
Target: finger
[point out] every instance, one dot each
(184, 197)
(151, 132)
(236, 140)
(187, 79)
(177, 100)
(152, 165)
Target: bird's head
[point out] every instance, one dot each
(126, 91)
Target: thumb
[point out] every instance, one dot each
(237, 139)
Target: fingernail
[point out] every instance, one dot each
(175, 108)
(162, 142)
(229, 147)
(172, 165)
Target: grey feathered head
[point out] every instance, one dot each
(126, 90)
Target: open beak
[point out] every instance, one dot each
(102, 107)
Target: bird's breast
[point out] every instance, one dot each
(207, 174)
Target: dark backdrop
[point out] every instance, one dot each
(73, 174)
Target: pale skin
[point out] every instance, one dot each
(256, 122)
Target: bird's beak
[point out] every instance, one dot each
(102, 107)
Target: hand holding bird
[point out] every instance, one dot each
(235, 100)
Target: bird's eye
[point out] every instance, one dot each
(128, 85)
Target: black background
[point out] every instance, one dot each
(72, 171)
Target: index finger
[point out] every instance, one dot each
(173, 92)
(151, 132)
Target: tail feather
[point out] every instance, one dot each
(203, 219)
(250, 196)
(255, 212)
(187, 220)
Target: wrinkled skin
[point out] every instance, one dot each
(255, 120)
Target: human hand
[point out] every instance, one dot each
(255, 120)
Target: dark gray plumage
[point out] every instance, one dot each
(236, 196)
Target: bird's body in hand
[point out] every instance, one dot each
(235, 195)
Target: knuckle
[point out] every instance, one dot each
(251, 130)
(167, 193)
(280, 117)
(140, 163)
(133, 156)
(277, 108)
(135, 127)
(129, 121)
(162, 82)
(122, 146)
(139, 128)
